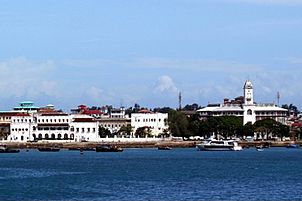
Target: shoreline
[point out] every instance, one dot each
(172, 144)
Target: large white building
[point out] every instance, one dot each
(245, 108)
(47, 124)
(157, 123)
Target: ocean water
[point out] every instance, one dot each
(150, 174)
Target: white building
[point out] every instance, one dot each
(248, 109)
(84, 128)
(50, 125)
(156, 122)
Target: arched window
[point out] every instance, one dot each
(46, 136)
(72, 136)
(59, 136)
(65, 136)
(53, 137)
(71, 128)
(40, 136)
(249, 112)
(34, 136)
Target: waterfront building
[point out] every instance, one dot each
(83, 128)
(113, 124)
(21, 128)
(157, 123)
(48, 124)
(246, 108)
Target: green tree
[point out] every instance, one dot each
(178, 124)
(103, 132)
(267, 127)
(143, 132)
(126, 130)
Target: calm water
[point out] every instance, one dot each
(149, 174)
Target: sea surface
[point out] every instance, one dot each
(151, 174)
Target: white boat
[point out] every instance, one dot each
(219, 145)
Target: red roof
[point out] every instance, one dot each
(98, 112)
(22, 115)
(83, 120)
(52, 124)
(144, 111)
(297, 124)
(82, 106)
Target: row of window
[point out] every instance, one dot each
(53, 137)
(112, 125)
(52, 120)
(148, 120)
(88, 130)
(22, 120)
(19, 129)
(5, 118)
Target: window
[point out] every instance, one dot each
(78, 130)
(249, 112)
(65, 136)
(93, 130)
(72, 136)
(53, 137)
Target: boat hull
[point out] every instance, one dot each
(48, 149)
(219, 146)
(108, 149)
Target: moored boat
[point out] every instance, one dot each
(219, 145)
(49, 149)
(5, 149)
(164, 148)
(292, 146)
(108, 148)
(81, 149)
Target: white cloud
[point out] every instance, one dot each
(21, 77)
(95, 93)
(165, 84)
(294, 60)
(198, 65)
(267, 2)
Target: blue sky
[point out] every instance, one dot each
(115, 52)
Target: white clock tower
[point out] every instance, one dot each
(248, 93)
(249, 115)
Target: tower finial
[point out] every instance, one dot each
(179, 100)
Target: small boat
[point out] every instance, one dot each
(81, 149)
(164, 148)
(219, 145)
(49, 149)
(259, 148)
(5, 149)
(108, 148)
(292, 146)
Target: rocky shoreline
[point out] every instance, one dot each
(173, 144)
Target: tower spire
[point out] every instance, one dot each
(179, 100)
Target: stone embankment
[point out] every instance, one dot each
(174, 144)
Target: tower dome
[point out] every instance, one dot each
(248, 85)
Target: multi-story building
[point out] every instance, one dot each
(48, 124)
(157, 123)
(247, 109)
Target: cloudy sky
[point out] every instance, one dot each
(115, 52)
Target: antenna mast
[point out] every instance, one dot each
(179, 101)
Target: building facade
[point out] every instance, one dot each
(246, 108)
(157, 123)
